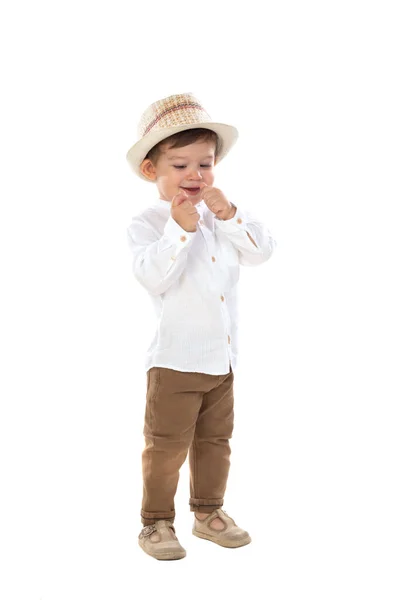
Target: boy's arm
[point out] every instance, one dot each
(158, 262)
(249, 236)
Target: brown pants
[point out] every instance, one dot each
(186, 412)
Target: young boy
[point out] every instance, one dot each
(187, 250)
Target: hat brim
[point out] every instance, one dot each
(227, 135)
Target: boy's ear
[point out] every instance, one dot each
(148, 169)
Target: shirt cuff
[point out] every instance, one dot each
(237, 223)
(177, 235)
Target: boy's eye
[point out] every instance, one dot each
(184, 166)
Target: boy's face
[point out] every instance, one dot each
(182, 168)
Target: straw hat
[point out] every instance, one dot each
(170, 115)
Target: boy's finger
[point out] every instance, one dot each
(203, 186)
(179, 198)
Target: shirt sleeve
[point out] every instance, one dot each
(158, 262)
(250, 237)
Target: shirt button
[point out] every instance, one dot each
(172, 257)
(213, 258)
(183, 238)
(222, 298)
(201, 222)
(239, 221)
(229, 339)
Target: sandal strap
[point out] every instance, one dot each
(149, 529)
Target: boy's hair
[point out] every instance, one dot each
(184, 138)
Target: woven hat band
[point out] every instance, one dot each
(185, 113)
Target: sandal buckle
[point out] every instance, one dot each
(147, 530)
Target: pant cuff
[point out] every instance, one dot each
(205, 505)
(149, 518)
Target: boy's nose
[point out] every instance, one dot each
(194, 174)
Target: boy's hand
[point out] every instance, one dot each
(217, 202)
(183, 212)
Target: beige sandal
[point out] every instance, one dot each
(231, 536)
(160, 542)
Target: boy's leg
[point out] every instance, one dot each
(173, 402)
(209, 454)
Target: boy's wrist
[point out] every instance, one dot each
(231, 213)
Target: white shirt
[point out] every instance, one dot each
(192, 280)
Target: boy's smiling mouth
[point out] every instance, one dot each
(191, 190)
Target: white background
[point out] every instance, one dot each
(313, 88)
